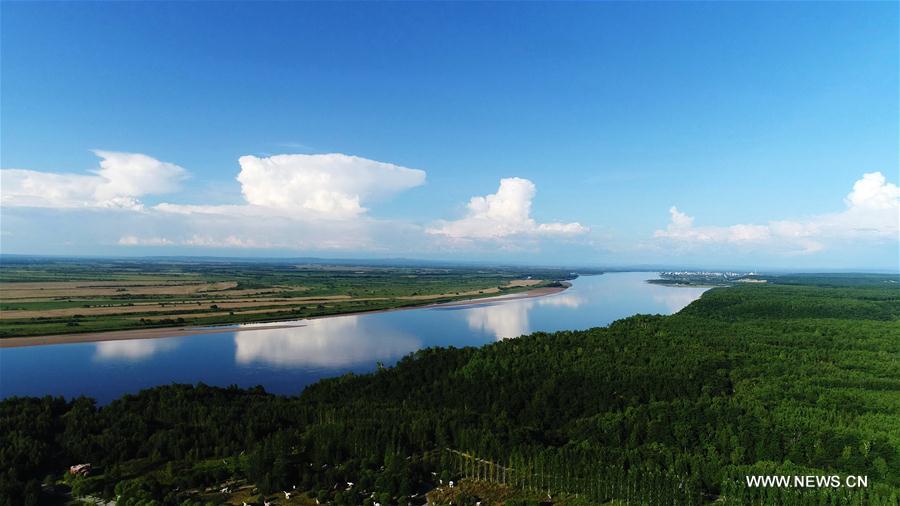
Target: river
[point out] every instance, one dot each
(284, 360)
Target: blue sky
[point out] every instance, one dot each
(580, 126)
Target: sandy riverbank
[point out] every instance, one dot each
(157, 333)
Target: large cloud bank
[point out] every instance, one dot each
(871, 213)
(297, 202)
(327, 202)
(120, 180)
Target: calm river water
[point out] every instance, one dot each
(284, 360)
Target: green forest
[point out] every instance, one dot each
(793, 378)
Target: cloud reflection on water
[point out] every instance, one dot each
(504, 320)
(132, 350)
(510, 319)
(564, 299)
(329, 342)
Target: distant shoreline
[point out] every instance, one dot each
(164, 332)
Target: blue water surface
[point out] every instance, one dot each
(285, 360)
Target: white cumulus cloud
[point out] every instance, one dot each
(329, 186)
(314, 202)
(872, 212)
(873, 192)
(117, 183)
(502, 214)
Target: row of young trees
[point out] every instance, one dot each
(731, 386)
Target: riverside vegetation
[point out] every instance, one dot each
(776, 379)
